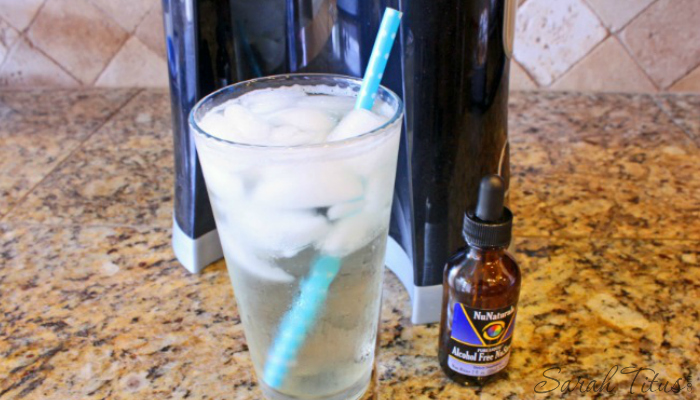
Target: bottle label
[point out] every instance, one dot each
(481, 339)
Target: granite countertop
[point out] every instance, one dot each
(93, 304)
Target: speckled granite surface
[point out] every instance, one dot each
(34, 140)
(93, 304)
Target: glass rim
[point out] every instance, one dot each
(281, 77)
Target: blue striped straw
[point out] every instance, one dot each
(377, 61)
(298, 321)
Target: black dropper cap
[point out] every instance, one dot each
(490, 224)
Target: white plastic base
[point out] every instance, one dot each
(426, 301)
(195, 254)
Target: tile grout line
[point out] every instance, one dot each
(102, 71)
(58, 64)
(528, 74)
(639, 65)
(626, 23)
(4, 217)
(36, 15)
(23, 35)
(110, 17)
(130, 34)
(20, 36)
(680, 78)
(79, 81)
(143, 17)
(643, 10)
(9, 48)
(658, 87)
(608, 33)
(584, 57)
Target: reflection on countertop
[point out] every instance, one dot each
(605, 189)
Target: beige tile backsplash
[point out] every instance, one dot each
(586, 45)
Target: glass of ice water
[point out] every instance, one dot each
(295, 174)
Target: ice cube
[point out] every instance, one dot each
(222, 183)
(251, 128)
(270, 106)
(380, 155)
(270, 100)
(306, 119)
(345, 209)
(280, 232)
(383, 109)
(243, 257)
(380, 188)
(351, 234)
(287, 135)
(355, 123)
(337, 105)
(314, 185)
(215, 124)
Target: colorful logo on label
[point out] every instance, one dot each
(482, 328)
(494, 330)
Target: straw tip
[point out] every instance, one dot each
(393, 12)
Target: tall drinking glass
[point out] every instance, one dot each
(281, 213)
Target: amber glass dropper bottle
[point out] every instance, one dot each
(480, 297)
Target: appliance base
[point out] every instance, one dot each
(426, 301)
(195, 254)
